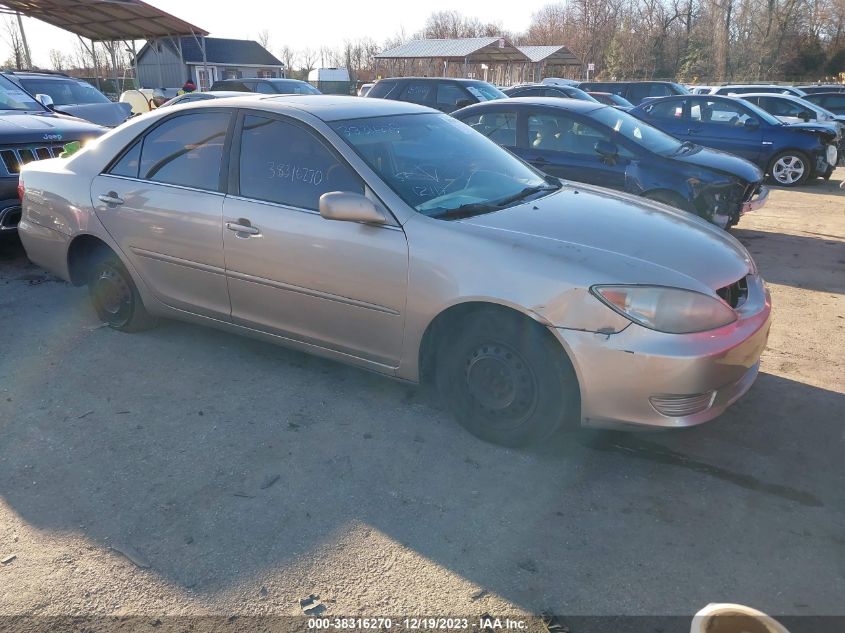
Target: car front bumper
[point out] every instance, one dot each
(640, 377)
(757, 201)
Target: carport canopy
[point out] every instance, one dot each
(105, 20)
(471, 50)
(550, 55)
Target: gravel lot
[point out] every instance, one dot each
(184, 471)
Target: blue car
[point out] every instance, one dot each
(590, 142)
(789, 153)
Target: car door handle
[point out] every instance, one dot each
(693, 131)
(244, 227)
(111, 198)
(539, 161)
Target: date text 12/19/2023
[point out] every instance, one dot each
(483, 623)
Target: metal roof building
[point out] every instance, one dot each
(500, 61)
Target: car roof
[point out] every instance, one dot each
(462, 80)
(573, 105)
(27, 73)
(770, 95)
(325, 107)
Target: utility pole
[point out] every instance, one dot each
(26, 56)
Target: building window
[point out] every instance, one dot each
(231, 73)
(265, 73)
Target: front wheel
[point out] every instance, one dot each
(115, 297)
(505, 379)
(789, 169)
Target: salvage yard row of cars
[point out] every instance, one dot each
(465, 250)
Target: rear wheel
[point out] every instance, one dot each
(115, 297)
(505, 379)
(789, 169)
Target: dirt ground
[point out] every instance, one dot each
(184, 471)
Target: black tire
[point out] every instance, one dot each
(505, 379)
(115, 297)
(789, 169)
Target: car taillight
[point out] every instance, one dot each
(21, 189)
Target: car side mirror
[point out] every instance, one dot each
(606, 149)
(350, 207)
(751, 123)
(45, 100)
(462, 103)
(806, 116)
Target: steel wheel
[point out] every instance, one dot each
(500, 383)
(505, 377)
(115, 298)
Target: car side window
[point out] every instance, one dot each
(720, 112)
(449, 94)
(186, 150)
(564, 133)
(128, 164)
(264, 88)
(284, 163)
(418, 92)
(673, 109)
(499, 127)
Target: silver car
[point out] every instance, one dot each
(395, 238)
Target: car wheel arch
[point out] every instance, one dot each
(455, 312)
(81, 256)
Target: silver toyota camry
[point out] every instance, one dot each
(392, 237)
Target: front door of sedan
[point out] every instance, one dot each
(564, 145)
(726, 125)
(162, 202)
(334, 284)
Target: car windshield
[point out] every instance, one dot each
(760, 112)
(440, 166)
(485, 92)
(13, 97)
(637, 131)
(64, 91)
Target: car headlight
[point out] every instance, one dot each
(670, 310)
(831, 154)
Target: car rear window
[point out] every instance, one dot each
(186, 150)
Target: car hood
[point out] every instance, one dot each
(37, 127)
(106, 114)
(619, 238)
(723, 162)
(824, 129)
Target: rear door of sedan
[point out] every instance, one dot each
(162, 202)
(334, 284)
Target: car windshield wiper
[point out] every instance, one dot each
(476, 208)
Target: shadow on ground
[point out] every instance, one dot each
(216, 457)
(811, 262)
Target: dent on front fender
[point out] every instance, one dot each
(577, 309)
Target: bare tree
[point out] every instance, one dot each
(58, 60)
(264, 38)
(12, 37)
(307, 59)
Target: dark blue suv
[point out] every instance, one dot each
(590, 142)
(789, 153)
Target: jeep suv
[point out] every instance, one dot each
(29, 131)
